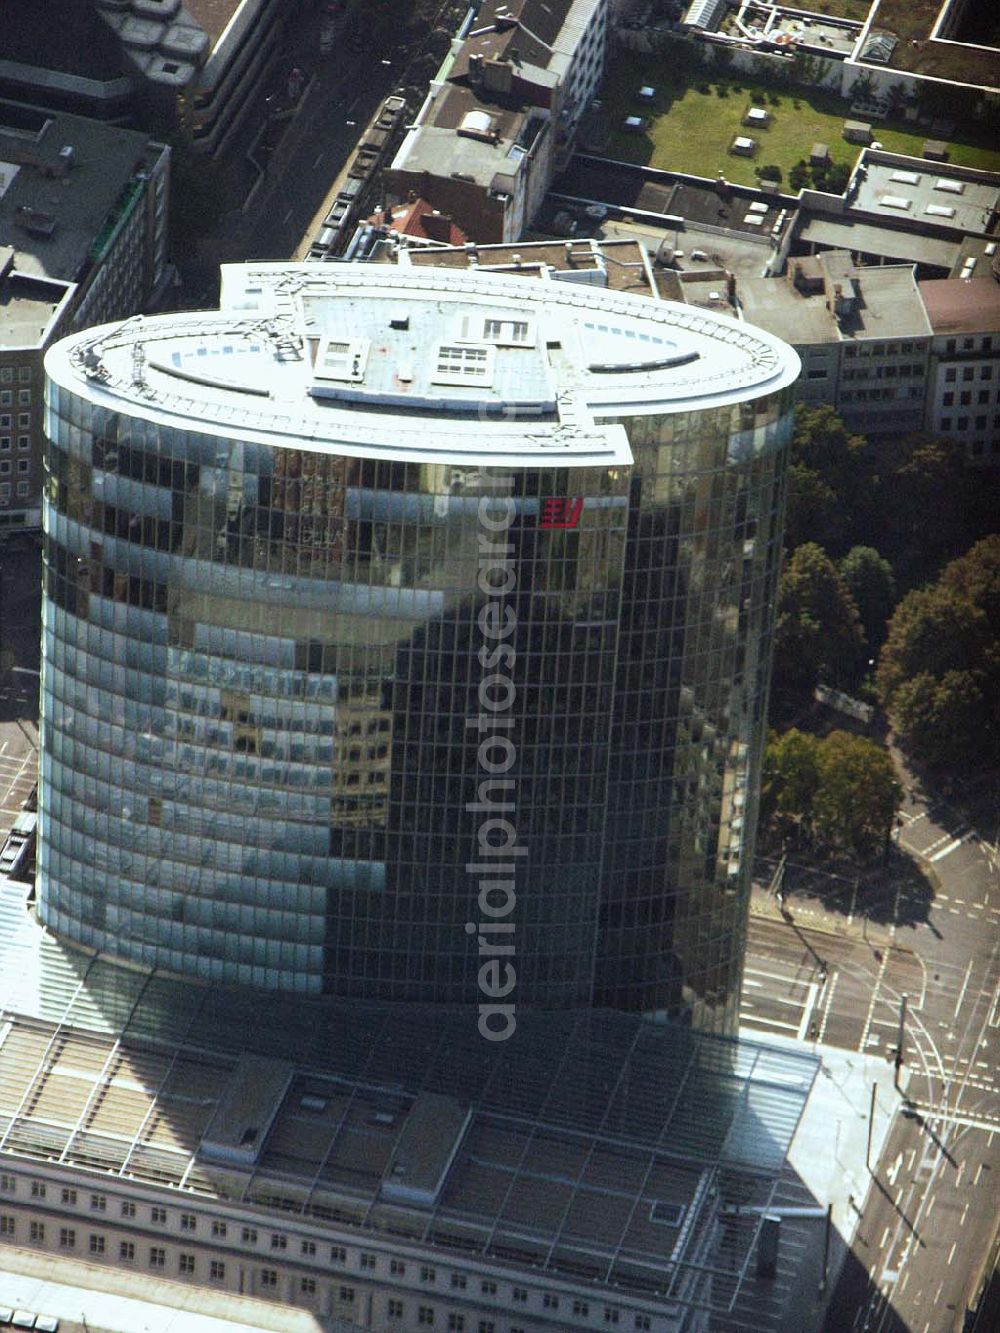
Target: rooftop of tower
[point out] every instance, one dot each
(356, 360)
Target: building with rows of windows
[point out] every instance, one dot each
(279, 638)
(83, 239)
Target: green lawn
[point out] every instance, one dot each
(691, 130)
(842, 9)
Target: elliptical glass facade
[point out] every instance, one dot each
(265, 670)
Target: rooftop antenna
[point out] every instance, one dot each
(139, 363)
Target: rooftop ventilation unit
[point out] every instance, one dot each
(478, 125)
(342, 359)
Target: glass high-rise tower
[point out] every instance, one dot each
(372, 584)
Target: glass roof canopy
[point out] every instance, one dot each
(594, 1145)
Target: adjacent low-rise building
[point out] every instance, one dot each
(862, 333)
(32, 312)
(384, 1163)
(888, 292)
(963, 385)
(502, 115)
(83, 239)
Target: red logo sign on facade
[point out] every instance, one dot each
(561, 512)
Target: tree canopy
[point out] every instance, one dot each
(857, 796)
(911, 497)
(818, 634)
(870, 581)
(829, 493)
(789, 782)
(928, 502)
(939, 669)
(837, 794)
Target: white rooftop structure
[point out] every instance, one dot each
(509, 371)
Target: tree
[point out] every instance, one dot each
(822, 442)
(818, 634)
(813, 509)
(926, 502)
(798, 176)
(939, 669)
(931, 632)
(976, 577)
(941, 718)
(839, 793)
(837, 176)
(857, 796)
(790, 779)
(869, 578)
(824, 445)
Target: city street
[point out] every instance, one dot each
(342, 90)
(926, 1227)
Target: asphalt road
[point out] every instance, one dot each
(929, 1218)
(342, 92)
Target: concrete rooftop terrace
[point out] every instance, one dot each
(619, 265)
(355, 360)
(28, 305)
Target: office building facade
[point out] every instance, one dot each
(369, 575)
(83, 240)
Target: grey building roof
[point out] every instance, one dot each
(888, 304)
(52, 213)
(883, 300)
(926, 194)
(28, 305)
(777, 305)
(887, 242)
(439, 148)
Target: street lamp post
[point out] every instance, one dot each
(826, 1249)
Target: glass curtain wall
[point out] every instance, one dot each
(262, 688)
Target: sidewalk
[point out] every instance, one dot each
(811, 914)
(829, 1156)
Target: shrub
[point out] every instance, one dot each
(798, 176)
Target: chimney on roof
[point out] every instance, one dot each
(498, 75)
(437, 226)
